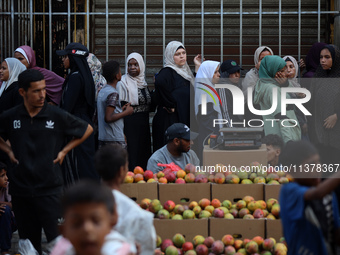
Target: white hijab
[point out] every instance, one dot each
(128, 85)
(184, 70)
(294, 81)
(204, 85)
(15, 67)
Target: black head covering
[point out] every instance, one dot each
(77, 54)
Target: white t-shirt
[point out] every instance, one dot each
(135, 224)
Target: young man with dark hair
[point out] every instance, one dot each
(110, 111)
(179, 139)
(274, 145)
(36, 132)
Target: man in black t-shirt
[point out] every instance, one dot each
(36, 132)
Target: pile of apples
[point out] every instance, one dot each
(247, 208)
(227, 245)
(174, 174)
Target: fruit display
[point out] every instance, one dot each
(218, 174)
(247, 208)
(201, 245)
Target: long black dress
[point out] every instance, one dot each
(171, 91)
(137, 131)
(73, 101)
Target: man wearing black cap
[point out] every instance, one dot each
(230, 74)
(177, 150)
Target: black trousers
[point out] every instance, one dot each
(36, 213)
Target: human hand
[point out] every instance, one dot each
(301, 95)
(198, 61)
(302, 64)
(60, 158)
(127, 108)
(169, 110)
(2, 208)
(280, 78)
(330, 121)
(12, 157)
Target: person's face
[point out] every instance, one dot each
(234, 77)
(216, 76)
(4, 72)
(21, 58)
(66, 61)
(291, 71)
(35, 95)
(184, 145)
(326, 60)
(133, 67)
(262, 55)
(3, 178)
(123, 170)
(282, 74)
(86, 226)
(180, 57)
(273, 154)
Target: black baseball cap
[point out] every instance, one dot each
(76, 49)
(230, 66)
(179, 130)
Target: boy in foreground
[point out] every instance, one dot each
(309, 208)
(90, 213)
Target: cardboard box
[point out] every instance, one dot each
(274, 229)
(235, 192)
(179, 192)
(138, 191)
(236, 158)
(238, 228)
(166, 229)
(272, 191)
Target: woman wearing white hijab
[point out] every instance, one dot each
(133, 89)
(293, 70)
(252, 77)
(173, 86)
(206, 78)
(9, 90)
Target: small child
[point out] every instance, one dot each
(90, 213)
(110, 112)
(7, 221)
(309, 208)
(134, 223)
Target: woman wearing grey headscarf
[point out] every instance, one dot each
(173, 86)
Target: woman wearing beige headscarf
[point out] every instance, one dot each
(133, 89)
(173, 86)
(252, 77)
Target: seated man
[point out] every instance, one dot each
(177, 150)
(274, 146)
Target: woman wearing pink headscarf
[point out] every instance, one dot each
(54, 82)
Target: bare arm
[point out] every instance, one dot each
(324, 188)
(72, 144)
(8, 150)
(111, 116)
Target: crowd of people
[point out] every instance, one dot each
(51, 128)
